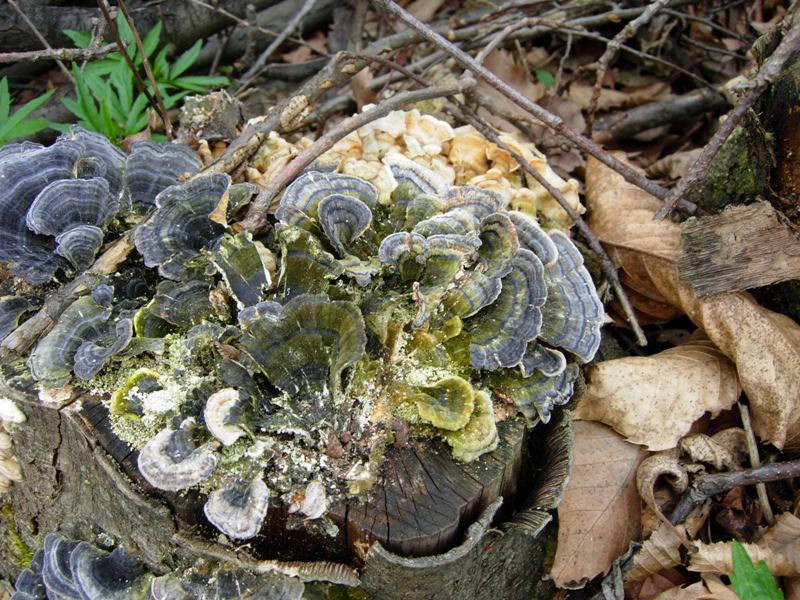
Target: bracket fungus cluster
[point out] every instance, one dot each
(270, 369)
(72, 570)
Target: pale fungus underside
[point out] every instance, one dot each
(280, 369)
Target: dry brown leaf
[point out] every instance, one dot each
(502, 64)
(779, 548)
(675, 165)
(792, 587)
(600, 509)
(764, 345)
(653, 400)
(706, 449)
(424, 10)
(318, 42)
(581, 93)
(359, 84)
(717, 589)
(662, 549)
(696, 591)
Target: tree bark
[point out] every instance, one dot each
(81, 481)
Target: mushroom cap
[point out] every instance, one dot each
(11, 310)
(29, 583)
(241, 263)
(499, 333)
(56, 573)
(80, 245)
(68, 203)
(182, 303)
(574, 313)
(306, 348)
(414, 177)
(82, 338)
(540, 358)
(238, 510)
(447, 404)
(479, 435)
(220, 413)
(188, 218)
(172, 461)
(536, 395)
(343, 219)
(151, 167)
(300, 200)
(101, 575)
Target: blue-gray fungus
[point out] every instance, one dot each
(268, 370)
(238, 509)
(175, 460)
(73, 570)
(78, 570)
(82, 340)
(57, 202)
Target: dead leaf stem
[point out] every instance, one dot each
(755, 461)
(765, 76)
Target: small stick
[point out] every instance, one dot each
(254, 70)
(40, 37)
(148, 71)
(765, 76)
(247, 25)
(67, 54)
(755, 461)
(607, 264)
(552, 121)
(712, 484)
(611, 51)
(256, 219)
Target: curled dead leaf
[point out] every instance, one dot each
(779, 548)
(654, 400)
(764, 345)
(599, 512)
(581, 93)
(717, 453)
(656, 466)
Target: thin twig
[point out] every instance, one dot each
(140, 84)
(248, 25)
(256, 219)
(755, 462)
(607, 264)
(65, 54)
(706, 486)
(162, 111)
(40, 37)
(254, 70)
(389, 63)
(552, 121)
(765, 76)
(611, 51)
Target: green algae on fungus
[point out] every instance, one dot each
(285, 360)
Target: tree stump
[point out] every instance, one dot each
(423, 526)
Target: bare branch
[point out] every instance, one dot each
(65, 54)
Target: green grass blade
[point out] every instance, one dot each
(5, 99)
(150, 41)
(186, 59)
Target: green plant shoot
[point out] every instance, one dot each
(752, 582)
